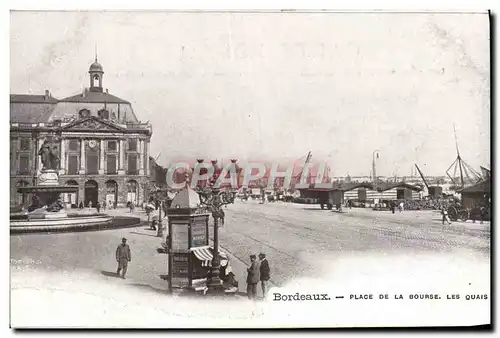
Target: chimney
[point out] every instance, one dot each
(107, 91)
(47, 94)
(84, 94)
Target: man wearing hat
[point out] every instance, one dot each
(253, 277)
(123, 257)
(264, 273)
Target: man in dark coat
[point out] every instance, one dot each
(123, 257)
(253, 277)
(265, 273)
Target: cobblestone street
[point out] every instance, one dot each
(301, 241)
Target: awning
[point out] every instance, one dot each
(204, 254)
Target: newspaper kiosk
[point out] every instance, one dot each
(190, 255)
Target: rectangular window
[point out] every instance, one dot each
(25, 144)
(72, 165)
(73, 145)
(132, 164)
(132, 145)
(111, 164)
(112, 145)
(92, 164)
(24, 165)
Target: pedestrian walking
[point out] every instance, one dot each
(253, 277)
(265, 274)
(98, 207)
(80, 206)
(104, 205)
(123, 256)
(444, 212)
(482, 214)
(90, 204)
(401, 207)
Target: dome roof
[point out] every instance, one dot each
(96, 67)
(187, 198)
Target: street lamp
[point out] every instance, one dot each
(159, 197)
(214, 199)
(374, 169)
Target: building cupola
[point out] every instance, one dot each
(96, 73)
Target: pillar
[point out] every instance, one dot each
(146, 157)
(141, 157)
(101, 157)
(13, 155)
(62, 167)
(82, 157)
(39, 165)
(121, 168)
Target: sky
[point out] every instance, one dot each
(272, 86)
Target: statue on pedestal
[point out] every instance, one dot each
(49, 155)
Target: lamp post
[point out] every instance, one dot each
(159, 198)
(214, 199)
(374, 169)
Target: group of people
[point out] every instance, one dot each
(395, 205)
(258, 271)
(98, 205)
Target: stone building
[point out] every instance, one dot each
(157, 174)
(104, 148)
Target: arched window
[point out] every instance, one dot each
(132, 191)
(71, 198)
(111, 193)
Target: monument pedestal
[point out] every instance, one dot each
(48, 177)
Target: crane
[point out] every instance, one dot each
(423, 178)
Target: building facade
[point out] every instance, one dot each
(103, 147)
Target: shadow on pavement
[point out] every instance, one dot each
(143, 234)
(109, 273)
(314, 209)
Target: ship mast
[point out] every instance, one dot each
(463, 167)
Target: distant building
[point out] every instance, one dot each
(157, 174)
(104, 148)
(477, 195)
(385, 191)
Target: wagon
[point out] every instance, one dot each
(456, 213)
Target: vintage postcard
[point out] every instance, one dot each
(249, 169)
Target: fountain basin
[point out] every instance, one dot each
(47, 214)
(29, 189)
(73, 223)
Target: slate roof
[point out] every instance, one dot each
(30, 112)
(388, 186)
(26, 98)
(94, 97)
(25, 108)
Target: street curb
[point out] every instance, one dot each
(116, 223)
